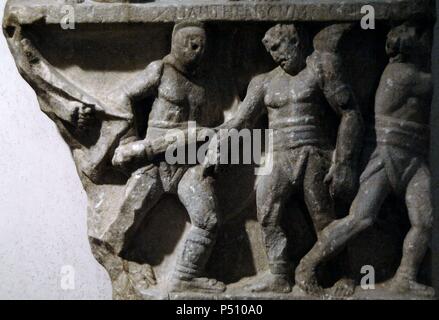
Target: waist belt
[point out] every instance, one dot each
(404, 134)
(297, 136)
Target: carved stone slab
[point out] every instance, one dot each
(347, 107)
(167, 11)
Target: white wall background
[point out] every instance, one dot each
(42, 203)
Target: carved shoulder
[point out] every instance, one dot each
(400, 74)
(406, 78)
(314, 63)
(400, 78)
(318, 66)
(144, 83)
(259, 82)
(154, 71)
(395, 86)
(325, 65)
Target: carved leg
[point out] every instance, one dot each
(333, 238)
(418, 200)
(321, 209)
(142, 192)
(271, 194)
(197, 195)
(316, 193)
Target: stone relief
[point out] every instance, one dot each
(291, 95)
(398, 164)
(348, 114)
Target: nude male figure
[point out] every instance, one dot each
(179, 96)
(294, 96)
(398, 165)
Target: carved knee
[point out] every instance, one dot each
(424, 221)
(267, 223)
(209, 222)
(362, 223)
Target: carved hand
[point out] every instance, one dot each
(83, 115)
(212, 160)
(131, 154)
(342, 180)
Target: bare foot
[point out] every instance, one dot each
(403, 284)
(141, 275)
(269, 282)
(343, 288)
(307, 281)
(202, 285)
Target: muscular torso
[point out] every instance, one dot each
(179, 100)
(405, 93)
(292, 100)
(296, 109)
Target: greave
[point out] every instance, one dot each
(196, 251)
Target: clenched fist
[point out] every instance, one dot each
(342, 181)
(83, 115)
(130, 155)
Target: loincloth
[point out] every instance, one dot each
(297, 133)
(294, 162)
(169, 175)
(408, 135)
(401, 149)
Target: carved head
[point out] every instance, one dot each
(407, 41)
(188, 43)
(288, 44)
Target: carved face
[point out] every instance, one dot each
(188, 45)
(407, 40)
(399, 40)
(284, 45)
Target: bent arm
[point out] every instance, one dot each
(143, 85)
(251, 108)
(341, 98)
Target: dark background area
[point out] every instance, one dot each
(434, 157)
